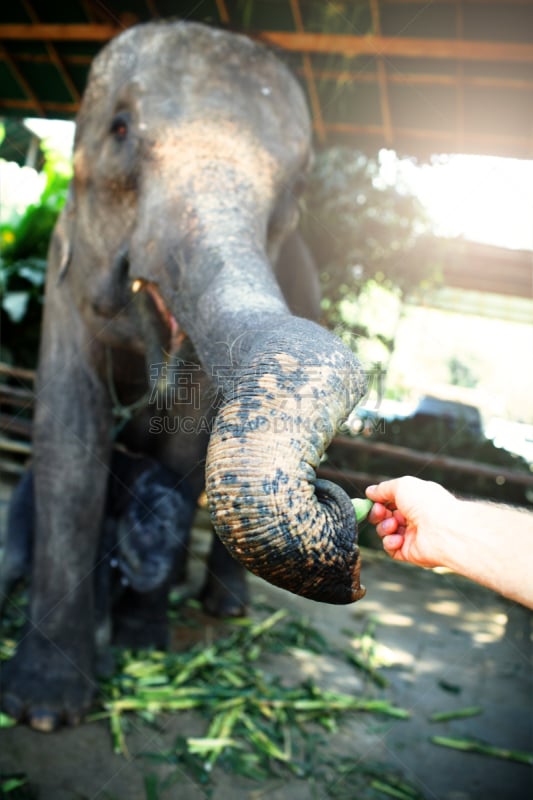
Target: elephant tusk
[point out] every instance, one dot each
(177, 335)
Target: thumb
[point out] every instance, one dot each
(384, 492)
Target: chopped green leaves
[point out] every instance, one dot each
(257, 723)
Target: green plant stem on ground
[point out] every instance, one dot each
(472, 746)
(460, 713)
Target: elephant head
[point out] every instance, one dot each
(191, 148)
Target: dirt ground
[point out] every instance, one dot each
(450, 644)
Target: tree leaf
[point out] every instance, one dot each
(15, 304)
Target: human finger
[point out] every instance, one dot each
(393, 542)
(384, 492)
(378, 513)
(397, 514)
(387, 527)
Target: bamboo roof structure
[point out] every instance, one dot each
(420, 77)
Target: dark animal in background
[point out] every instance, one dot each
(191, 147)
(143, 548)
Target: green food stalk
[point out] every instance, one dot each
(362, 508)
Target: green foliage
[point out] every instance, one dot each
(362, 229)
(25, 242)
(461, 373)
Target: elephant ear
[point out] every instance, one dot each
(63, 234)
(297, 275)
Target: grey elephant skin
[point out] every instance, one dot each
(190, 150)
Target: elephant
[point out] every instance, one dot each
(142, 550)
(165, 326)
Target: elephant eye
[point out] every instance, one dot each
(120, 127)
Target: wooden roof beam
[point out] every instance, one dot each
(223, 12)
(398, 46)
(314, 99)
(69, 109)
(300, 42)
(54, 56)
(382, 77)
(59, 64)
(460, 72)
(43, 58)
(522, 143)
(416, 79)
(89, 32)
(345, 76)
(96, 12)
(22, 82)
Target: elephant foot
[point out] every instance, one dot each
(105, 664)
(140, 634)
(45, 685)
(225, 596)
(140, 620)
(225, 592)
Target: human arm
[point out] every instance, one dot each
(420, 522)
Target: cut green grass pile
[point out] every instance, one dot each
(255, 724)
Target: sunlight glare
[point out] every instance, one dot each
(483, 198)
(58, 133)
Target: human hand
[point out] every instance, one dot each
(420, 522)
(411, 517)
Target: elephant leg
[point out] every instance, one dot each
(225, 591)
(104, 583)
(50, 678)
(16, 562)
(140, 619)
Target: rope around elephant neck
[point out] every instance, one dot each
(123, 413)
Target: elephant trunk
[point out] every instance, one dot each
(287, 386)
(293, 388)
